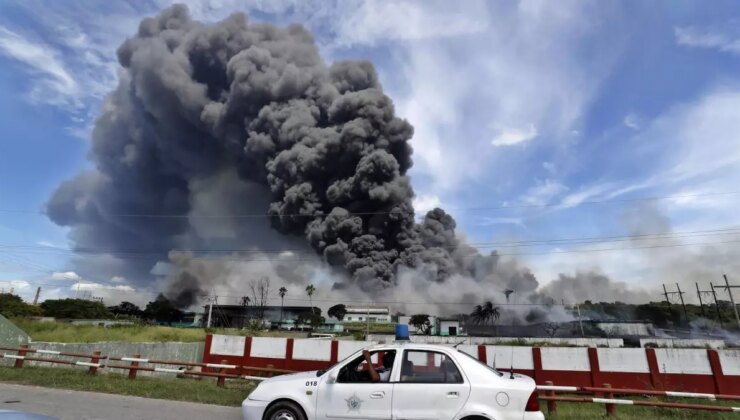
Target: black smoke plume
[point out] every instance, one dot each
(246, 118)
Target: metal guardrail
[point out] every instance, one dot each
(605, 395)
(97, 362)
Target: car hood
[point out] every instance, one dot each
(292, 377)
(280, 386)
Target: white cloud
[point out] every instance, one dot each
(111, 295)
(66, 275)
(424, 203)
(513, 136)
(715, 38)
(16, 285)
(49, 244)
(118, 279)
(98, 286)
(53, 83)
(585, 194)
(373, 21)
(488, 221)
(631, 121)
(543, 192)
(452, 89)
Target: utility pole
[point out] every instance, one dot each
(665, 293)
(680, 294)
(210, 312)
(701, 304)
(716, 307)
(732, 300)
(580, 324)
(36, 299)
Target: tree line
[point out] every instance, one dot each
(159, 310)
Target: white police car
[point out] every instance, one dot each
(426, 382)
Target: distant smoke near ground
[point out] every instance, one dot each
(226, 145)
(592, 286)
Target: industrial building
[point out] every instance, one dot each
(238, 316)
(370, 314)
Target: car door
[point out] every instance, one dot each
(430, 387)
(353, 398)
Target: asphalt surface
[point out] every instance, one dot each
(79, 405)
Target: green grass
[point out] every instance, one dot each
(64, 332)
(589, 411)
(67, 333)
(200, 391)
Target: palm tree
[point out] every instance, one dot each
(485, 314)
(478, 315)
(491, 312)
(282, 292)
(310, 290)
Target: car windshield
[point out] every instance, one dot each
(481, 363)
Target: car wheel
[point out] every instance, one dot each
(284, 410)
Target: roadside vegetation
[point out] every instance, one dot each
(589, 411)
(200, 391)
(64, 332)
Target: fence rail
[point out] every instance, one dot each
(98, 361)
(605, 395)
(601, 395)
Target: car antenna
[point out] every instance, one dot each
(455, 346)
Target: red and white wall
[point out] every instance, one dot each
(691, 370)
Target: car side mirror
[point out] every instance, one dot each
(332, 378)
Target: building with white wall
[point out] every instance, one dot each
(450, 327)
(371, 314)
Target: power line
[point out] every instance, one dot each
(290, 258)
(515, 244)
(370, 213)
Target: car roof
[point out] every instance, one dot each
(411, 345)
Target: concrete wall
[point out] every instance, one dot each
(565, 358)
(627, 328)
(431, 339)
(682, 342)
(686, 361)
(688, 370)
(10, 335)
(623, 360)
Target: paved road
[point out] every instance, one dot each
(78, 405)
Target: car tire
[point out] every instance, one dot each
(284, 410)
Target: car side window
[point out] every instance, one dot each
(421, 366)
(356, 371)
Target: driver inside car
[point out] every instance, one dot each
(382, 374)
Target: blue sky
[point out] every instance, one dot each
(524, 112)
